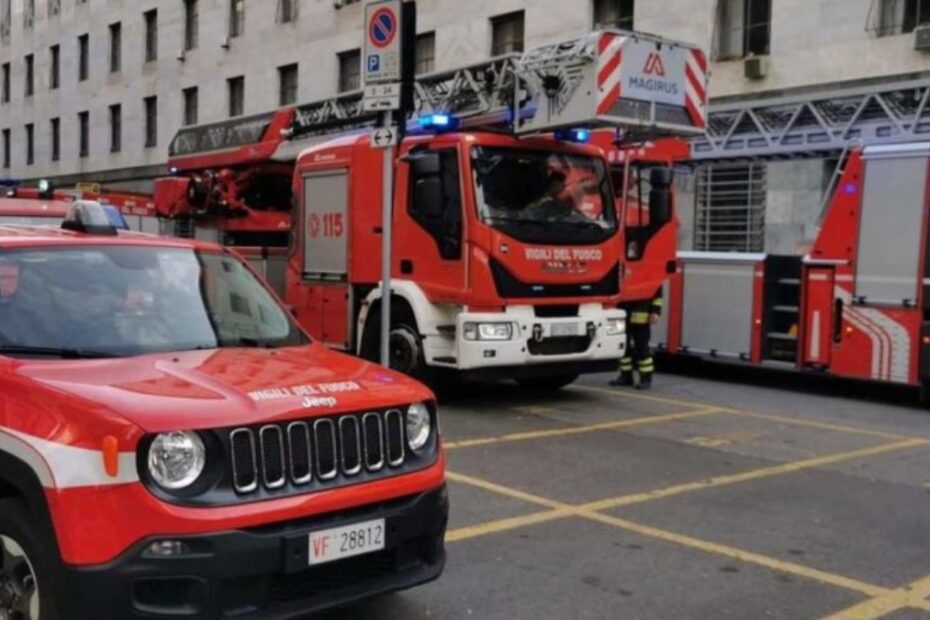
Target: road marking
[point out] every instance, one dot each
(754, 474)
(726, 439)
(558, 508)
(911, 595)
(852, 430)
(575, 430)
(501, 525)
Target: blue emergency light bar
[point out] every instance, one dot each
(580, 135)
(438, 122)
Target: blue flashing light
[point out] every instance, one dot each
(7, 182)
(115, 217)
(573, 135)
(438, 122)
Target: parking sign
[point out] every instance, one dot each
(382, 59)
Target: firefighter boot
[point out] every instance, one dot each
(646, 368)
(625, 379)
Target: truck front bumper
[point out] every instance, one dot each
(590, 339)
(262, 572)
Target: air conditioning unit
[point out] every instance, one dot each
(922, 38)
(338, 4)
(225, 43)
(756, 67)
(182, 55)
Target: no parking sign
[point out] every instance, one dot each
(382, 59)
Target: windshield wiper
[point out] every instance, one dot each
(61, 352)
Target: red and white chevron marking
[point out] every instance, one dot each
(696, 87)
(610, 48)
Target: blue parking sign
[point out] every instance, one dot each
(374, 63)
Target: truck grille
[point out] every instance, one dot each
(316, 451)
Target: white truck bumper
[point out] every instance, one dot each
(595, 335)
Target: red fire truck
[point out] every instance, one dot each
(509, 249)
(172, 443)
(856, 305)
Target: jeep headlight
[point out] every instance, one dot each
(616, 327)
(418, 426)
(488, 331)
(176, 459)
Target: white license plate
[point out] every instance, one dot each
(345, 542)
(565, 329)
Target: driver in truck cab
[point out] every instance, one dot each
(172, 444)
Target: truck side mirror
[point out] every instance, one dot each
(429, 197)
(660, 196)
(660, 205)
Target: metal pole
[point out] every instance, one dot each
(386, 242)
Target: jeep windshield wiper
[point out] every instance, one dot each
(63, 352)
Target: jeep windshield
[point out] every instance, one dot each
(542, 196)
(120, 301)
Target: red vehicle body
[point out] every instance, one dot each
(51, 207)
(552, 298)
(78, 430)
(856, 305)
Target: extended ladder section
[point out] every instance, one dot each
(822, 124)
(636, 83)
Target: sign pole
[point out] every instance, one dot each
(387, 194)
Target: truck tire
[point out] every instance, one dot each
(406, 350)
(547, 384)
(26, 566)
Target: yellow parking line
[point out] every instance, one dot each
(911, 595)
(852, 430)
(574, 430)
(501, 525)
(559, 509)
(754, 474)
(738, 554)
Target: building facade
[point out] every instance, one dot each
(95, 89)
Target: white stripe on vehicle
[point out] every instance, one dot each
(59, 466)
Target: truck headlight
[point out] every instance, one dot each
(418, 426)
(487, 331)
(176, 459)
(616, 327)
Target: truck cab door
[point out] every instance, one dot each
(429, 236)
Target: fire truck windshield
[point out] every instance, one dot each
(121, 301)
(544, 197)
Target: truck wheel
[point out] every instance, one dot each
(548, 384)
(25, 567)
(406, 352)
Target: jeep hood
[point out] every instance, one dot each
(224, 387)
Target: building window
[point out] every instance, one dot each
(83, 57)
(151, 121)
(190, 105)
(236, 88)
(6, 20)
(55, 138)
(613, 14)
(151, 35)
(6, 148)
(30, 144)
(29, 14)
(743, 28)
(236, 17)
(350, 70)
(287, 84)
(54, 67)
(116, 47)
(899, 16)
(730, 208)
(287, 11)
(54, 8)
(425, 53)
(507, 34)
(5, 95)
(83, 134)
(191, 24)
(30, 75)
(116, 128)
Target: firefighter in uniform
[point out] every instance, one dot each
(640, 317)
